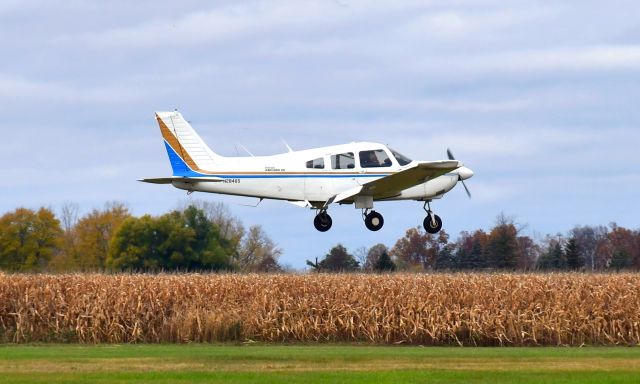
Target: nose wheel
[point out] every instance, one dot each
(322, 221)
(373, 220)
(432, 223)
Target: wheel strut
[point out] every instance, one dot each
(427, 208)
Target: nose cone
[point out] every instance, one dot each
(465, 173)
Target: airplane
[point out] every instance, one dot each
(358, 173)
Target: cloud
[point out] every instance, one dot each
(218, 24)
(25, 90)
(597, 58)
(476, 24)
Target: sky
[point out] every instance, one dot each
(539, 98)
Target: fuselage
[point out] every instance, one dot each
(315, 175)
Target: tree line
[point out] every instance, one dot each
(503, 247)
(200, 236)
(204, 236)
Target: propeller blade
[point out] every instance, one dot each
(450, 155)
(465, 188)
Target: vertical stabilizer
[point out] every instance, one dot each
(187, 152)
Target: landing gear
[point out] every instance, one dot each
(432, 223)
(322, 221)
(373, 220)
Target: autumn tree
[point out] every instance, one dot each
(64, 259)
(93, 233)
(257, 252)
(419, 249)
(528, 253)
(589, 240)
(28, 239)
(624, 247)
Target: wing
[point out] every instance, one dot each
(393, 184)
(169, 180)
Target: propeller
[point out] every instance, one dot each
(460, 179)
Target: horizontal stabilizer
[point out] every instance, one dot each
(169, 180)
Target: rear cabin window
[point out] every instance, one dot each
(316, 163)
(374, 159)
(343, 161)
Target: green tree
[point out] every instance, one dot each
(28, 239)
(620, 260)
(338, 260)
(469, 252)
(553, 259)
(230, 227)
(446, 259)
(574, 257)
(183, 240)
(477, 258)
(373, 255)
(384, 263)
(502, 244)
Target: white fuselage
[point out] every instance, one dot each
(297, 175)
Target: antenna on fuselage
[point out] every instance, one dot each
(287, 145)
(246, 150)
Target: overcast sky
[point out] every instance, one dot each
(539, 98)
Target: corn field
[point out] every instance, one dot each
(438, 309)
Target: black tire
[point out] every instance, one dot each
(322, 222)
(428, 225)
(374, 221)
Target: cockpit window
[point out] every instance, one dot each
(402, 160)
(374, 159)
(343, 161)
(316, 163)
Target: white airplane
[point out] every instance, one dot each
(357, 173)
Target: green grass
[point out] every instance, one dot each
(308, 364)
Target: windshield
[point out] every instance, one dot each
(402, 159)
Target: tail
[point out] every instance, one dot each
(188, 153)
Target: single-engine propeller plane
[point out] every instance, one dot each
(357, 173)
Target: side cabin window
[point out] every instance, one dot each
(374, 159)
(316, 163)
(343, 161)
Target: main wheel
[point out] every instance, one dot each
(429, 224)
(322, 222)
(373, 221)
